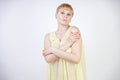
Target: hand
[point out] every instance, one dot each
(44, 53)
(47, 51)
(74, 36)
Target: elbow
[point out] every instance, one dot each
(76, 61)
(48, 60)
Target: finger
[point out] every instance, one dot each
(78, 35)
(75, 36)
(74, 32)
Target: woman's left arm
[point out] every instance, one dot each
(75, 54)
(76, 48)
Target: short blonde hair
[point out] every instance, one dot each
(65, 5)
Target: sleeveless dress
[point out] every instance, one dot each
(62, 69)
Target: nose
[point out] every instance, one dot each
(65, 15)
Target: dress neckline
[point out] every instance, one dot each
(63, 36)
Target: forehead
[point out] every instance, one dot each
(65, 9)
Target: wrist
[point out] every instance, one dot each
(70, 43)
(54, 50)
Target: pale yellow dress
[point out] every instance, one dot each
(62, 69)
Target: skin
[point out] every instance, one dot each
(51, 54)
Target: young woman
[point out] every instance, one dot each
(63, 48)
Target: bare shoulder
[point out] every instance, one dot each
(46, 41)
(75, 29)
(46, 36)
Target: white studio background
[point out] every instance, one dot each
(24, 23)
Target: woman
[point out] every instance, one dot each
(63, 48)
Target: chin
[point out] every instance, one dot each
(65, 24)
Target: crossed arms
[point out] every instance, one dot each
(74, 42)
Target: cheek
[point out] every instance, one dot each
(58, 16)
(69, 19)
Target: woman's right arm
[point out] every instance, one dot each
(48, 57)
(52, 57)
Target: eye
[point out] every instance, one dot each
(68, 14)
(62, 12)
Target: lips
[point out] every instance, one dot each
(64, 20)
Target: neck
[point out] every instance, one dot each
(62, 28)
(61, 31)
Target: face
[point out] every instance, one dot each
(64, 16)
